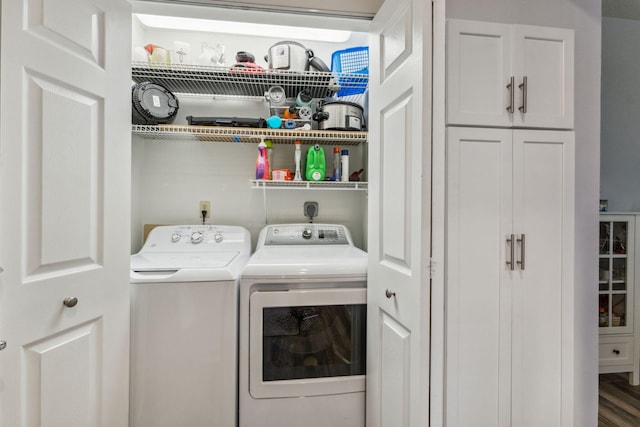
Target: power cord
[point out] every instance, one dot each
(204, 216)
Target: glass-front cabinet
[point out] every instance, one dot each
(615, 277)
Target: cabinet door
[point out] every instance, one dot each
(478, 72)
(478, 312)
(543, 186)
(64, 219)
(544, 58)
(615, 274)
(509, 326)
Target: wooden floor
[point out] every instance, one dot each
(619, 402)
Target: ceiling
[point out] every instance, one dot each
(627, 9)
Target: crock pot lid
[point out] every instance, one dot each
(353, 104)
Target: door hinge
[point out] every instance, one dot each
(432, 268)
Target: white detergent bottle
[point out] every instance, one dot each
(298, 155)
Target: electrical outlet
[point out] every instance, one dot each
(311, 209)
(205, 205)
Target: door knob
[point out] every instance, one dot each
(390, 293)
(616, 351)
(70, 301)
(3, 345)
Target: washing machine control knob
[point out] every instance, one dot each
(175, 237)
(217, 237)
(306, 233)
(196, 237)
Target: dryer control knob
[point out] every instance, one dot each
(196, 237)
(217, 237)
(175, 237)
(306, 233)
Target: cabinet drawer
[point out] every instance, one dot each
(616, 351)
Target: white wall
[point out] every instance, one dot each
(620, 151)
(169, 178)
(584, 16)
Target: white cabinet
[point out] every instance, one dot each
(616, 291)
(509, 288)
(509, 75)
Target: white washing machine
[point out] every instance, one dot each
(184, 320)
(303, 329)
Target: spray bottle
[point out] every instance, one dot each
(269, 145)
(262, 162)
(298, 155)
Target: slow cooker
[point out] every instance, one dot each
(339, 115)
(293, 56)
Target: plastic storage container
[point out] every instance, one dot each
(316, 164)
(354, 60)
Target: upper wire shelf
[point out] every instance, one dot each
(243, 82)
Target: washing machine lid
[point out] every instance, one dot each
(181, 267)
(169, 261)
(192, 253)
(316, 262)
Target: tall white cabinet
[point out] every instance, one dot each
(510, 238)
(618, 348)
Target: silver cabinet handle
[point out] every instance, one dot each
(511, 94)
(3, 345)
(523, 86)
(512, 251)
(70, 301)
(521, 241)
(390, 293)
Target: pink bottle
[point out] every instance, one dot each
(262, 162)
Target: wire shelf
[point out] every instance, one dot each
(239, 82)
(308, 185)
(247, 135)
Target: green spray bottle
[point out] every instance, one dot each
(316, 165)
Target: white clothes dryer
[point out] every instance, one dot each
(303, 329)
(184, 326)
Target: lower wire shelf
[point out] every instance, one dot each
(308, 185)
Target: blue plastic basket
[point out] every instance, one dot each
(354, 60)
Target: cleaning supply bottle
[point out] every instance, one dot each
(298, 155)
(262, 162)
(345, 165)
(316, 165)
(336, 164)
(269, 145)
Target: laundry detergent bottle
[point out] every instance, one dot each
(316, 165)
(262, 162)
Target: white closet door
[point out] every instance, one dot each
(65, 147)
(478, 292)
(478, 72)
(543, 287)
(545, 57)
(398, 295)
